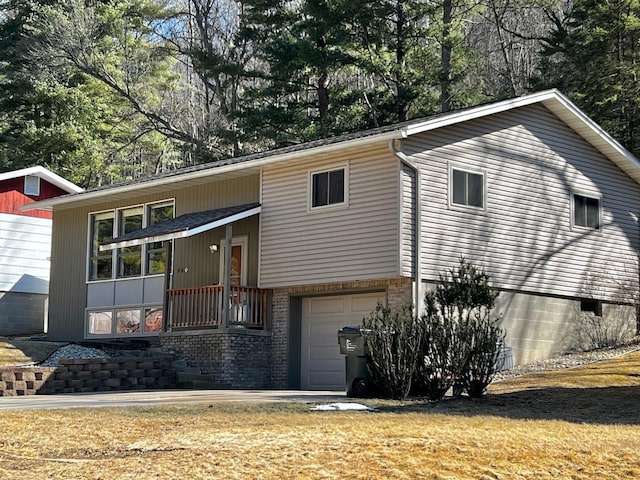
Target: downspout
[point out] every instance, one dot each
(418, 221)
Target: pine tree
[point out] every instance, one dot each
(593, 55)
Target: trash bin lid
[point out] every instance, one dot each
(350, 330)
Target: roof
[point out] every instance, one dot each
(183, 226)
(553, 100)
(44, 174)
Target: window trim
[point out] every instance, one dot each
(572, 201)
(116, 219)
(330, 206)
(474, 171)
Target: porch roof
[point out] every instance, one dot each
(186, 225)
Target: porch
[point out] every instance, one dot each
(204, 307)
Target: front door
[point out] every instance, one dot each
(238, 261)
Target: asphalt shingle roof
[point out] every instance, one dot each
(183, 223)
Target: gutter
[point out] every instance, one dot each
(418, 213)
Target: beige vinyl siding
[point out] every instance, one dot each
(407, 224)
(204, 267)
(69, 246)
(356, 242)
(533, 164)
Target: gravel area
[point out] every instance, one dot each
(72, 352)
(568, 360)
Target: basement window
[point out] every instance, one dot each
(591, 305)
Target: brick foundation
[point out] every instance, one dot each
(234, 358)
(89, 375)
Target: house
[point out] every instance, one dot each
(249, 266)
(25, 245)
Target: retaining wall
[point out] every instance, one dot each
(89, 375)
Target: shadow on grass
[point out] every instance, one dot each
(605, 405)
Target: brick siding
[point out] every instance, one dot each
(233, 358)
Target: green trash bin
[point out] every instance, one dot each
(353, 347)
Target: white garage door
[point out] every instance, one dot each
(322, 366)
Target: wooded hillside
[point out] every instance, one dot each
(101, 91)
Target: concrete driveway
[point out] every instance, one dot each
(166, 397)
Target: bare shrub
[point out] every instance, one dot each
(464, 342)
(444, 355)
(617, 321)
(486, 339)
(394, 339)
(615, 327)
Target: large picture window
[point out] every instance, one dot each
(467, 188)
(126, 262)
(130, 258)
(586, 212)
(328, 188)
(101, 263)
(156, 253)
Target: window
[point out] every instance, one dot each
(591, 305)
(130, 258)
(586, 212)
(328, 188)
(99, 323)
(467, 188)
(127, 321)
(121, 322)
(153, 319)
(156, 253)
(127, 261)
(101, 263)
(32, 185)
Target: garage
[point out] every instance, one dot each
(322, 366)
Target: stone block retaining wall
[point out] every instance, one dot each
(89, 375)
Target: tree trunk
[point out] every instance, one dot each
(401, 54)
(503, 49)
(323, 96)
(445, 61)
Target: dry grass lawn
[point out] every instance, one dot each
(575, 424)
(17, 351)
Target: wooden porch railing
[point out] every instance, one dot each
(201, 307)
